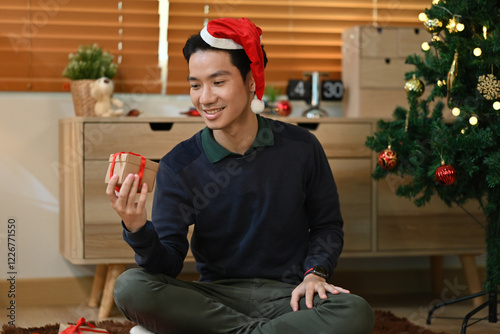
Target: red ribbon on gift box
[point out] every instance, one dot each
(75, 329)
(141, 168)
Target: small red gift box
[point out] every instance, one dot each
(125, 163)
(81, 327)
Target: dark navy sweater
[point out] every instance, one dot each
(271, 213)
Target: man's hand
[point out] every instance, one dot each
(311, 285)
(133, 214)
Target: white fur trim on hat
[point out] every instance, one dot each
(257, 106)
(219, 43)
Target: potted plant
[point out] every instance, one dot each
(85, 66)
(281, 107)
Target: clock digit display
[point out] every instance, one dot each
(332, 90)
(298, 90)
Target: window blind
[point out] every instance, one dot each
(36, 38)
(298, 36)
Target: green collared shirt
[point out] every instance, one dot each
(215, 152)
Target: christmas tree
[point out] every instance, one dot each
(456, 158)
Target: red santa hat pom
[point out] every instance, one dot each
(234, 34)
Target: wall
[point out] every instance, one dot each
(28, 144)
(29, 147)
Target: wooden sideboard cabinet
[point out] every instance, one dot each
(377, 222)
(373, 68)
(91, 232)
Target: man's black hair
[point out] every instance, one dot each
(238, 57)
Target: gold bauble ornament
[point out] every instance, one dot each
(414, 86)
(433, 25)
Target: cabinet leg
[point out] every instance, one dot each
(472, 276)
(98, 285)
(107, 302)
(437, 274)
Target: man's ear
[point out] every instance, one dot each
(251, 81)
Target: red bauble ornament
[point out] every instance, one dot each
(283, 108)
(134, 113)
(446, 175)
(388, 158)
(191, 112)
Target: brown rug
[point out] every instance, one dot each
(388, 323)
(385, 323)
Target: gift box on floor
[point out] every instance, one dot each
(125, 163)
(81, 327)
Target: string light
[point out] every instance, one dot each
(426, 46)
(455, 111)
(477, 52)
(454, 26)
(496, 105)
(485, 32)
(473, 120)
(422, 17)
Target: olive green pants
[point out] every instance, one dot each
(163, 304)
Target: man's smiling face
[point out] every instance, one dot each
(218, 91)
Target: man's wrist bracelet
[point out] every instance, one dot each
(318, 271)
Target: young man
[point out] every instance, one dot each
(264, 204)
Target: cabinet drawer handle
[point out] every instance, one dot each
(309, 126)
(161, 126)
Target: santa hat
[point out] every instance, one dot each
(234, 34)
